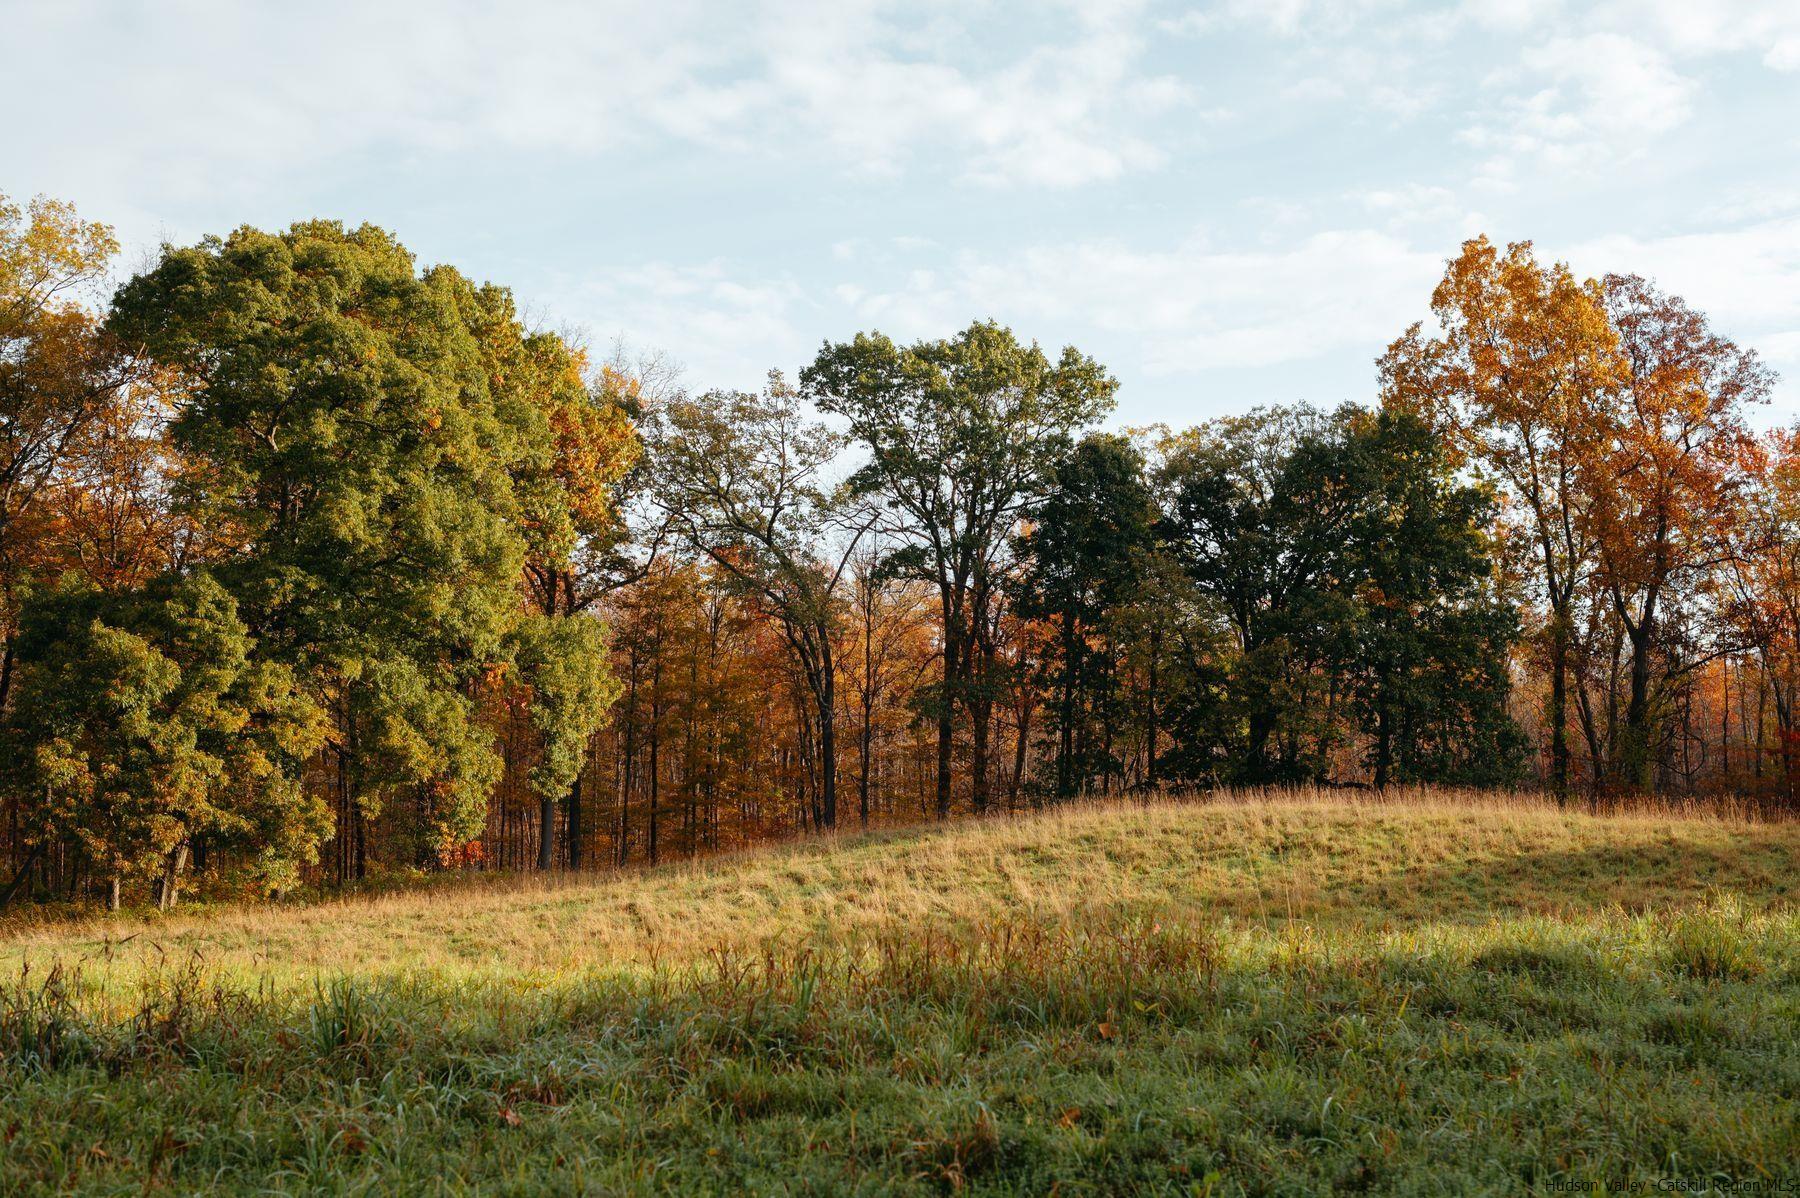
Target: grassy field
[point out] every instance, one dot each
(1263, 995)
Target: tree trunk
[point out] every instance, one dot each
(1639, 765)
(655, 739)
(573, 833)
(546, 833)
(1262, 727)
(980, 657)
(825, 697)
(1384, 738)
(19, 879)
(654, 783)
(1020, 742)
(865, 745)
(171, 879)
(982, 710)
(628, 775)
(360, 828)
(1559, 704)
(865, 737)
(946, 721)
(1756, 751)
(1150, 732)
(1065, 715)
(426, 855)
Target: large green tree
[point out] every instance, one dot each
(568, 491)
(1087, 558)
(1422, 647)
(961, 436)
(370, 434)
(146, 721)
(1354, 574)
(1256, 520)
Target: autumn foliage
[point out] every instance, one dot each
(316, 564)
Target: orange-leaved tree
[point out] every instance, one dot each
(1521, 380)
(1668, 485)
(58, 374)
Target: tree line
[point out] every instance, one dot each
(315, 564)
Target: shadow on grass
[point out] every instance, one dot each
(1141, 1052)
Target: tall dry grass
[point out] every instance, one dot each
(1268, 993)
(1330, 857)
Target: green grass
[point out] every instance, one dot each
(1298, 995)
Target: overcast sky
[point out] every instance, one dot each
(1228, 203)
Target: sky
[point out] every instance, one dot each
(1228, 204)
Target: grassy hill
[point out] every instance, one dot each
(1267, 994)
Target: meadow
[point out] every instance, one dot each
(1256, 994)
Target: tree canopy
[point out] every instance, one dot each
(317, 565)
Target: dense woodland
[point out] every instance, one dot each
(317, 566)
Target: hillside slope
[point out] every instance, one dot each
(1263, 995)
(1318, 858)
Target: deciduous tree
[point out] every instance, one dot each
(742, 476)
(961, 436)
(358, 421)
(1522, 380)
(1088, 545)
(58, 375)
(1668, 482)
(145, 720)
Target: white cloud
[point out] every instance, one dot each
(1179, 311)
(1784, 55)
(1680, 28)
(1753, 201)
(766, 155)
(882, 85)
(723, 330)
(1062, 113)
(1582, 101)
(1746, 279)
(1616, 86)
(1411, 205)
(1188, 308)
(1286, 18)
(1172, 312)
(1509, 15)
(1695, 28)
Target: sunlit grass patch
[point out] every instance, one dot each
(1203, 1020)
